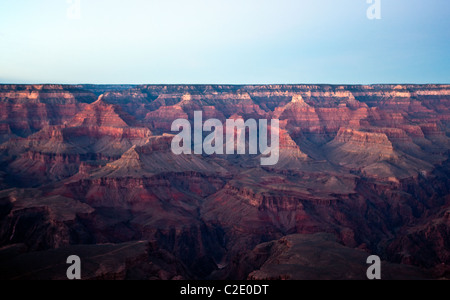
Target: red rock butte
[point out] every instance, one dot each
(88, 169)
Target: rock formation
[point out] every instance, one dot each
(89, 169)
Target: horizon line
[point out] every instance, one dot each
(228, 84)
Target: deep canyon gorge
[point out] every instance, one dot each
(88, 170)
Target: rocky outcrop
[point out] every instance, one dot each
(354, 148)
(317, 257)
(102, 114)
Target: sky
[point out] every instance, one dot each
(224, 42)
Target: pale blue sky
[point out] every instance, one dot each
(224, 41)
